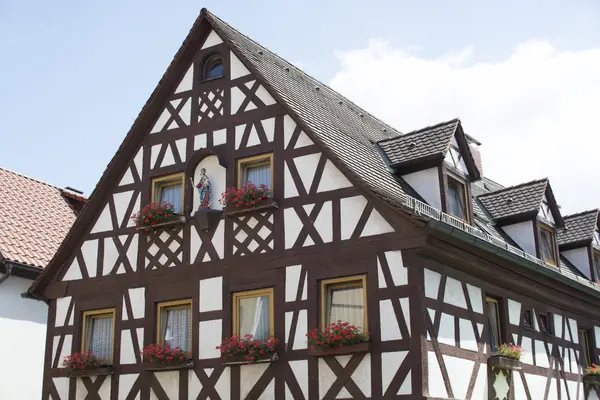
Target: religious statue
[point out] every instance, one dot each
(204, 189)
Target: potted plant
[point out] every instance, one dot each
(248, 197)
(337, 338)
(592, 375)
(86, 364)
(506, 357)
(154, 215)
(164, 357)
(247, 350)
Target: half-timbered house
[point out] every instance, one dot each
(401, 232)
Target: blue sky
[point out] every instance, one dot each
(76, 74)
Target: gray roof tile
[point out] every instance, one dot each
(514, 200)
(579, 228)
(420, 144)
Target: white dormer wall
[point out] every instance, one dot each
(545, 214)
(523, 234)
(579, 258)
(427, 183)
(454, 159)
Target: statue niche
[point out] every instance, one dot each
(208, 182)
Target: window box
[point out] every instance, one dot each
(188, 363)
(261, 205)
(172, 220)
(106, 370)
(207, 218)
(591, 380)
(346, 349)
(240, 359)
(502, 362)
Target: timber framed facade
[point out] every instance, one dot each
(346, 201)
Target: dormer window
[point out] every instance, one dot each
(457, 199)
(213, 67)
(547, 244)
(596, 257)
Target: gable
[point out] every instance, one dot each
(231, 117)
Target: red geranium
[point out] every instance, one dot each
(247, 346)
(152, 214)
(336, 334)
(245, 196)
(164, 354)
(509, 350)
(83, 361)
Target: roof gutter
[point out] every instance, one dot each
(446, 229)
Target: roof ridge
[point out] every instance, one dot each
(320, 84)
(454, 120)
(577, 214)
(34, 179)
(514, 187)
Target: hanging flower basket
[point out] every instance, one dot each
(506, 357)
(164, 357)
(86, 364)
(592, 376)
(155, 215)
(249, 197)
(247, 350)
(338, 338)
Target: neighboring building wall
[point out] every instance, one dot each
(523, 235)
(23, 333)
(427, 184)
(580, 259)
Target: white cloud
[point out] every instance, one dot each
(535, 112)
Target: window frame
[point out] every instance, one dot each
(162, 308)
(547, 317)
(169, 180)
(549, 229)
(596, 263)
(526, 325)
(235, 312)
(466, 204)
(327, 283)
(255, 161)
(586, 347)
(208, 62)
(499, 320)
(85, 335)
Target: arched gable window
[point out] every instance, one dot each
(212, 67)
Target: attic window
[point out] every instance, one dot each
(457, 199)
(547, 244)
(212, 67)
(596, 256)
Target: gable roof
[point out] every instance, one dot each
(428, 143)
(34, 218)
(579, 228)
(520, 200)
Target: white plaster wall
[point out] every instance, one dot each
(522, 234)
(23, 326)
(216, 173)
(579, 258)
(427, 184)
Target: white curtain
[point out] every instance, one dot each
(177, 333)
(101, 337)
(346, 304)
(261, 325)
(172, 194)
(456, 202)
(547, 252)
(259, 175)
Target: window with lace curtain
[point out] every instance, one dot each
(547, 244)
(98, 332)
(175, 324)
(169, 189)
(253, 313)
(257, 170)
(457, 199)
(345, 299)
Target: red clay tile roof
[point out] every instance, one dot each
(34, 218)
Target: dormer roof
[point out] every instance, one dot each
(579, 229)
(426, 144)
(520, 201)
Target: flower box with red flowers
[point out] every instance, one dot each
(338, 338)
(247, 350)
(592, 376)
(162, 357)
(86, 364)
(506, 357)
(246, 198)
(155, 215)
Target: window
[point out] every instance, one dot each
(98, 332)
(170, 190)
(528, 319)
(584, 339)
(257, 170)
(596, 256)
(174, 323)
(345, 299)
(457, 195)
(494, 322)
(213, 67)
(547, 244)
(253, 313)
(545, 326)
